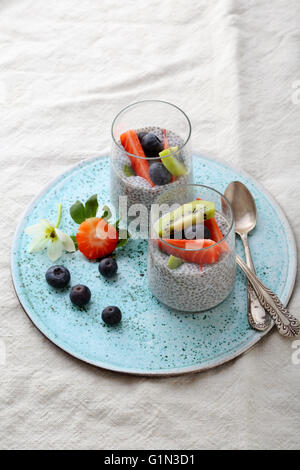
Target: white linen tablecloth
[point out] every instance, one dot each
(66, 68)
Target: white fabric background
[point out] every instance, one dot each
(66, 68)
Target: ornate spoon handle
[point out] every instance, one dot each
(258, 318)
(286, 323)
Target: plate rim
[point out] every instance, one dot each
(177, 371)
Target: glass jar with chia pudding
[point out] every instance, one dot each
(150, 152)
(191, 250)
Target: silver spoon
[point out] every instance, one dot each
(245, 216)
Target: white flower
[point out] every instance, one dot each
(46, 235)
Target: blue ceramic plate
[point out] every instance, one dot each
(151, 339)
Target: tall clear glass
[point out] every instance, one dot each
(173, 129)
(193, 275)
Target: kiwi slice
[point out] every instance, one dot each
(174, 262)
(191, 213)
(169, 160)
(128, 170)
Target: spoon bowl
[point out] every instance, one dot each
(243, 206)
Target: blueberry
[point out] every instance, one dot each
(141, 135)
(108, 267)
(197, 231)
(151, 144)
(159, 174)
(207, 233)
(111, 315)
(58, 276)
(80, 295)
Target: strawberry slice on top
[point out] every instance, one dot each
(215, 231)
(96, 238)
(132, 145)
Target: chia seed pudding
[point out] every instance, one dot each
(192, 287)
(137, 189)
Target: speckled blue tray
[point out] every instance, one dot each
(151, 339)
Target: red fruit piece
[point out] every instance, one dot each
(165, 141)
(213, 227)
(96, 238)
(207, 256)
(215, 232)
(131, 144)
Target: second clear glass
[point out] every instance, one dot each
(205, 276)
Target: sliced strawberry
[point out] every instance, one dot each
(215, 232)
(213, 227)
(96, 238)
(132, 145)
(165, 141)
(199, 256)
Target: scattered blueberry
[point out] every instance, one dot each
(152, 145)
(80, 295)
(108, 267)
(58, 276)
(111, 315)
(159, 174)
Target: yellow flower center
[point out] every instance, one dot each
(50, 233)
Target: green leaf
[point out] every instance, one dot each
(125, 237)
(106, 213)
(116, 225)
(91, 207)
(77, 212)
(128, 171)
(75, 241)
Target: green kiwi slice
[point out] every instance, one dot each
(173, 164)
(191, 213)
(128, 170)
(174, 262)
